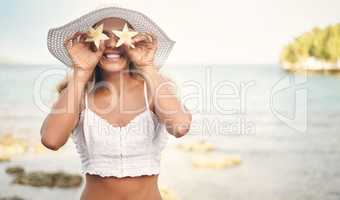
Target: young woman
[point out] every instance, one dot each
(120, 122)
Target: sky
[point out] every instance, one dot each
(206, 32)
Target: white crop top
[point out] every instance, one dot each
(131, 150)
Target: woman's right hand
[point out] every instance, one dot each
(84, 55)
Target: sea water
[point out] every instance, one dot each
(285, 128)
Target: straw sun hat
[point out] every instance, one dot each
(139, 21)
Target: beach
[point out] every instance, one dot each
(277, 159)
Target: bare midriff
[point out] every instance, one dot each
(127, 188)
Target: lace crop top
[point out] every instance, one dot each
(131, 150)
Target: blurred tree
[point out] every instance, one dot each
(323, 44)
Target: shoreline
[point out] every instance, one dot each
(312, 65)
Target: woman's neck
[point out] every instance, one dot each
(117, 80)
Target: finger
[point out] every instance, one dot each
(150, 46)
(75, 37)
(154, 38)
(92, 47)
(140, 37)
(145, 45)
(98, 50)
(151, 43)
(149, 37)
(101, 46)
(68, 42)
(79, 36)
(82, 38)
(154, 44)
(70, 38)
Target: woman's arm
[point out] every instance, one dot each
(64, 115)
(167, 106)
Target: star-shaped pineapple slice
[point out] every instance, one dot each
(125, 36)
(96, 35)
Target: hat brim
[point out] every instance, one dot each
(139, 21)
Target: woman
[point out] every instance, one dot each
(117, 123)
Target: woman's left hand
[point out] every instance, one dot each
(144, 52)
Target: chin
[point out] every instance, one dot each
(113, 65)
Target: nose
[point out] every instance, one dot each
(111, 42)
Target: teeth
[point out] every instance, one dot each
(112, 56)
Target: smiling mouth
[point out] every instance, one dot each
(112, 55)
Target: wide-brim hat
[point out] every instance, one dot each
(139, 21)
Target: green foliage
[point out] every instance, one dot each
(323, 44)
